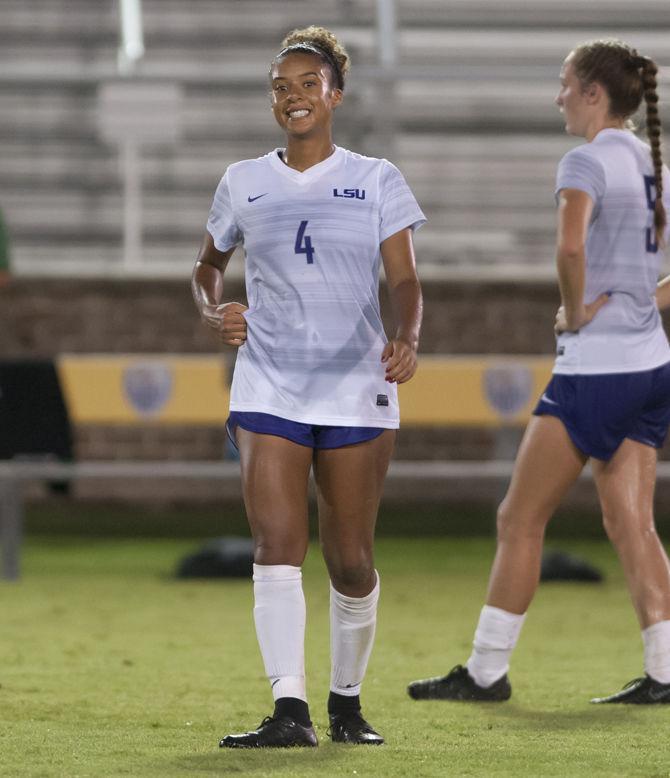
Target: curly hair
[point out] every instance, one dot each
(627, 77)
(322, 43)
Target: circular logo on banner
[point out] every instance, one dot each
(508, 388)
(148, 386)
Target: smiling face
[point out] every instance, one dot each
(303, 97)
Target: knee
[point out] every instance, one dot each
(353, 581)
(622, 525)
(513, 522)
(353, 574)
(508, 522)
(279, 551)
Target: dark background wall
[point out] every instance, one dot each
(41, 317)
(44, 318)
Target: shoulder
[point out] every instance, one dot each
(584, 161)
(246, 166)
(240, 176)
(586, 154)
(362, 162)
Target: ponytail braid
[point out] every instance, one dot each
(628, 78)
(649, 71)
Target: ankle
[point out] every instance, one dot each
(340, 703)
(293, 708)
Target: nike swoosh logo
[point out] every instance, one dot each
(274, 682)
(545, 399)
(659, 695)
(258, 197)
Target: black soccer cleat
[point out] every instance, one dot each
(458, 684)
(281, 732)
(640, 691)
(351, 727)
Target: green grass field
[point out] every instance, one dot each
(110, 667)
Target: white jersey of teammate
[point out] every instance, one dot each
(622, 257)
(311, 240)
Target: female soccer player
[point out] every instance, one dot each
(315, 382)
(609, 397)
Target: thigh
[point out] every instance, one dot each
(275, 475)
(349, 483)
(626, 482)
(547, 464)
(651, 426)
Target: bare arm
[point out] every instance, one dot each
(663, 294)
(399, 354)
(574, 213)
(226, 319)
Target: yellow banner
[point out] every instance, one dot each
(473, 390)
(152, 389)
(174, 389)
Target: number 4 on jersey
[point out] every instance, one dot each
(303, 243)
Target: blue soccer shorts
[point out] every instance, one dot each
(600, 411)
(311, 435)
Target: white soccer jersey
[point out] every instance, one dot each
(622, 257)
(311, 240)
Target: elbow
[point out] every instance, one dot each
(410, 284)
(570, 251)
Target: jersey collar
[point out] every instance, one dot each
(312, 173)
(613, 131)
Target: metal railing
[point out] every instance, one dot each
(14, 474)
(401, 474)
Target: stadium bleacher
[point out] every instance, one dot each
(474, 126)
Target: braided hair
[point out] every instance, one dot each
(649, 71)
(627, 77)
(323, 44)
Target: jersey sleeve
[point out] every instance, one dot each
(398, 207)
(580, 170)
(221, 223)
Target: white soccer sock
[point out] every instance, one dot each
(280, 615)
(496, 635)
(352, 633)
(657, 651)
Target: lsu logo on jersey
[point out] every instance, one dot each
(359, 194)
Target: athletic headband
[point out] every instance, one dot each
(328, 56)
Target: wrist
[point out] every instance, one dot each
(575, 318)
(207, 309)
(411, 340)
